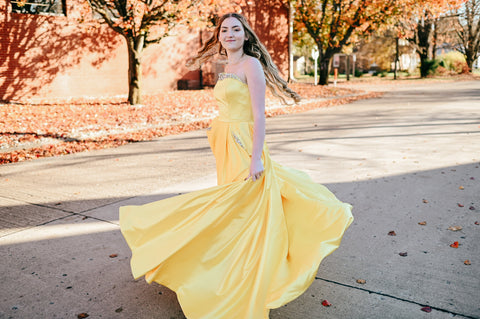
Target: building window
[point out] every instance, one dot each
(49, 7)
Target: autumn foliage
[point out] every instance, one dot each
(467, 29)
(418, 24)
(145, 22)
(334, 24)
(50, 129)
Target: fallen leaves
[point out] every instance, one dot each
(403, 254)
(83, 315)
(455, 244)
(326, 303)
(113, 255)
(426, 309)
(361, 281)
(460, 205)
(30, 131)
(425, 201)
(467, 262)
(392, 233)
(424, 223)
(455, 228)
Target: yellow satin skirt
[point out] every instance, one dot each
(239, 249)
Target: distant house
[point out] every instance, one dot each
(48, 50)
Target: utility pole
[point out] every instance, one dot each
(347, 66)
(396, 59)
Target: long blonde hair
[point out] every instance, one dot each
(253, 47)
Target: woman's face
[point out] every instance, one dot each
(232, 35)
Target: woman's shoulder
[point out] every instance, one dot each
(253, 70)
(253, 62)
(252, 65)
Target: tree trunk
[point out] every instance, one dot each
(470, 57)
(424, 65)
(435, 39)
(135, 48)
(423, 36)
(324, 70)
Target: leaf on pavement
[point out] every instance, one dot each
(426, 309)
(423, 223)
(392, 233)
(455, 228)
(361, 281)
(326, 303)
(30, 131)
(403, 254)
(454, 245)
(467, 262)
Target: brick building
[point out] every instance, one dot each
(46, 56)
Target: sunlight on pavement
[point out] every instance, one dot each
(57, 231)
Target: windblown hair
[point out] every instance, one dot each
(252, 47)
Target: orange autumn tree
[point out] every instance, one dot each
(418, 25)
(145, 22)
(334, 24)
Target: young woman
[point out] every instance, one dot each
(255, 241)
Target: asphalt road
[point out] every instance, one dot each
(411, 156)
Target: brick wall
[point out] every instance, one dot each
(47, 57)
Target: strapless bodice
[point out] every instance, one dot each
(233, 99)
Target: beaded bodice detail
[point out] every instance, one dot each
(223, 76)
(233, 99)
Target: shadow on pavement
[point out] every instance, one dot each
(79, 262)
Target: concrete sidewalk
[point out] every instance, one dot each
(408, 157)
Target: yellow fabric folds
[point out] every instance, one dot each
(241, 248)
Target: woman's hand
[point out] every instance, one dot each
(256, 169)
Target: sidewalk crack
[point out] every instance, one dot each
(396, 298)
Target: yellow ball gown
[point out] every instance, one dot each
(241, 248)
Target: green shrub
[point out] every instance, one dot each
(428, 67)
(454, 61)
(358, 73)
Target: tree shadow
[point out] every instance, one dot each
(269, 20)
(63, 266)
(38, 48)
